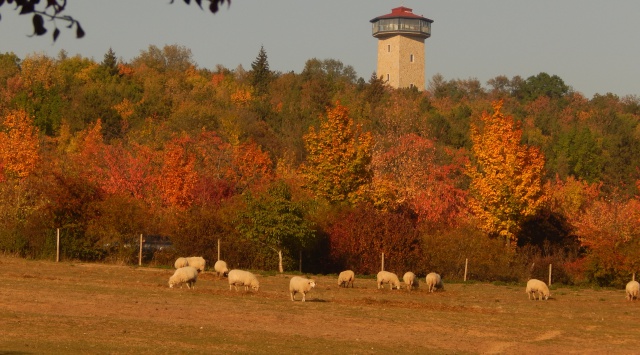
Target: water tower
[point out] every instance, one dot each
(401, 36)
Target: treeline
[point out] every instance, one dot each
(513, 175)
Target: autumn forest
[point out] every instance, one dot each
(319, 166)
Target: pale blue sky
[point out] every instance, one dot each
(592, 45)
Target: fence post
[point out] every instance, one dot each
(57, 245)
(140, 254)
(550, 267)
(218, 248)
(466, 263)
(382, 261)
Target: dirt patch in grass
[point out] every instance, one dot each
(66, 307)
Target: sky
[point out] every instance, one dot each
(592, 45)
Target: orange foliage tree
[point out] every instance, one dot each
(178, 176)
(611, 230)
(339, 157)
(19, 145)
(506, 176)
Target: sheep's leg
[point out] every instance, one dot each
(304, 294)
(292, 293)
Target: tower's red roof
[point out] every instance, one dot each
(401, 12)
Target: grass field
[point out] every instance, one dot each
(80, 308)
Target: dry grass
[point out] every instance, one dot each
(48, 307)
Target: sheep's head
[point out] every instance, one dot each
(312, 283)
(255, 286)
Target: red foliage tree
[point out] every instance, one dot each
(413, 174)
(359, 236)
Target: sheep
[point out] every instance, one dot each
(198, 262)
(300, 285)
(181, 262)
(434, 281)
(346, 277)
(385, 277)
(187, 274)
(243, 278)
(633, 289)
(535, 285)
(410, 280)
(221, 268)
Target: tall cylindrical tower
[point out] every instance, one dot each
(401, 58)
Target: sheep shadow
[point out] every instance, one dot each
(319, 300)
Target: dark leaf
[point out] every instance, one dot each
(214, 6)
(27, 8)
(56, 33)
(1, 2)
(38, 25)
(199, 2)
(187, 1)
(79, 31)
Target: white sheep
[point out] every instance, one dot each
(346, 277)
(198, 262)
(243, 278)
(633, 289)
(434, 281)
(300, 285)
(181, 262)
(536, 286)
(221, 268)
(410, 280)
(386, 277)
(187, 274)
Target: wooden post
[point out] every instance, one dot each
(140, 254)
(218, 248)
(466, 263)
(550, 267)
(382, 262)
(57, 245)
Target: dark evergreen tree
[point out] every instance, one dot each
(110, 63)
(260, 73)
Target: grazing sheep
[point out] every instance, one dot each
(243, 278)
(535, 285)
(181, 262)
(385, 277)
(434, 281)
(633, 289)
(410, 280)
(221, 268)
(187, 274)
(300, 285)
(198, 262)
(346, 277)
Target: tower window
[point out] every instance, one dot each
(411, 58)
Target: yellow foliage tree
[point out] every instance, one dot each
(19, 145)
(506, 176)
(338, 164)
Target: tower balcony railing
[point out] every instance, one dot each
(400, 25)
